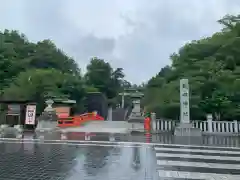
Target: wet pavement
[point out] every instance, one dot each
(55, 161)
(91, 156)
(191, 162)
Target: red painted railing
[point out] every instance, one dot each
(76, 121)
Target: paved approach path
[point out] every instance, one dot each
(118, 157)
(182, 162)
(61, 160)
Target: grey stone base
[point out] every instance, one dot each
(11, 132)
(136, 119)
(43, 126)
(136, 127)
(187, 130)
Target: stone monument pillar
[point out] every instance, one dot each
(136, 119)
(185, 127)
(136, 111)
(47, 121)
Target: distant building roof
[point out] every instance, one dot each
(94, 92)
(8, 101)
(65, 101)
(69, 101)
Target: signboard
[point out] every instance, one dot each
(13, 109)
(62, 112)
(184, 101)
(30, 114)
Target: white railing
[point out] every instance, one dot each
(164, 125)
(207, 126)
(213, 140)
(203, 125)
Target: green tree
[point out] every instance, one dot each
(37, 85)
(35, 71)
(103, 77)
(212, 66)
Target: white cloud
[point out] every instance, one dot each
(138, 35)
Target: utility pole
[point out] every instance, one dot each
(123, 94)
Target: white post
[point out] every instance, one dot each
(63, 136)
(231, 127)
(235, 126)
(184, 100)
(123, 94)
(110, 113)
(111, 137)
(87, 136)
(209, 120)
(153, 121)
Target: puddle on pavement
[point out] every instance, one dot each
(76, 162)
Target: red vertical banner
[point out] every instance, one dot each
(147, 124)
(147, 128)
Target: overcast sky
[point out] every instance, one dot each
(137, 35)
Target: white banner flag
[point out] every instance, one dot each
(30, 114)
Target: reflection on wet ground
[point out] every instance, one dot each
(48, 161)
(73, 156)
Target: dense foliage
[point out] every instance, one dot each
(212, 66)
(36, 71)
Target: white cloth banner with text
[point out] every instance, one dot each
(30, 114)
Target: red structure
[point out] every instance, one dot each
(147, 124)
(147, 127)
(79, 120)
(148, 137)
(96, 108)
